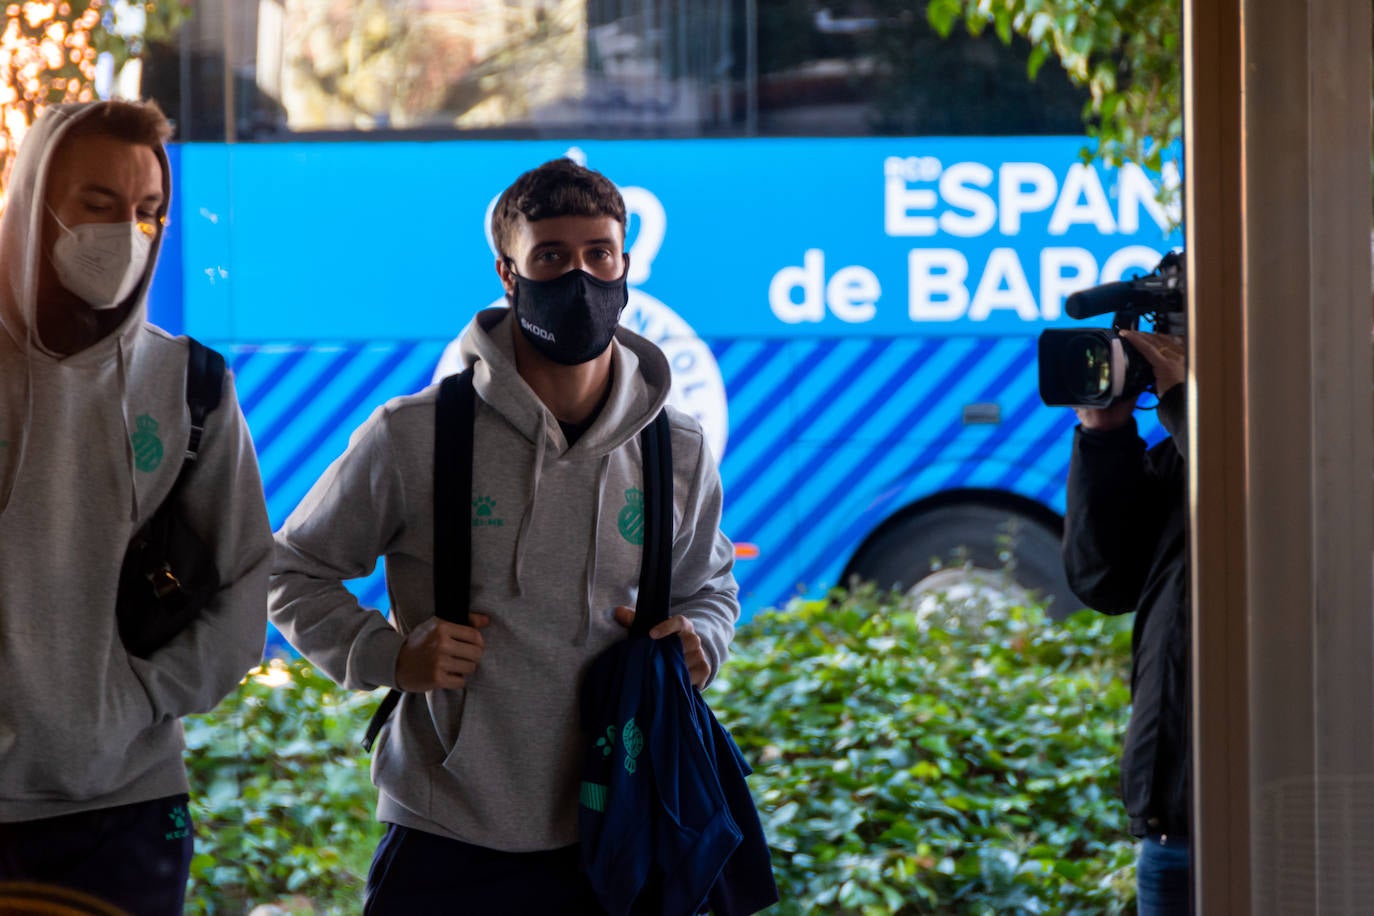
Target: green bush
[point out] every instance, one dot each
(961, 760)
(281, 796)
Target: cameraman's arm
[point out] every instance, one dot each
(1166, 355)
(1109, 528)
(1173, 414)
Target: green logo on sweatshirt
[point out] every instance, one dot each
(181, 823)
(484, 514)
(607, 744)
(631, 518)
(633, 740)
(147, 446)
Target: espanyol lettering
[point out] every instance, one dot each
(922, 197)
(536, 330)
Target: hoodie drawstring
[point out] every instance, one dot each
(589, 574)
(540, 444)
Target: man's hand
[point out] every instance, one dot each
(697, 666)
(1114, 416)
(438, 655)
(1167, 357)
(1166, 354)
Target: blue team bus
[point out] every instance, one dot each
(852, 320)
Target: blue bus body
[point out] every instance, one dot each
(853, 321)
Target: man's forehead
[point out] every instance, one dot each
(101, 188)
(98, 162)
(573, 230)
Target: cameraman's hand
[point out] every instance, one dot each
(1114, 416)
(1165, 353)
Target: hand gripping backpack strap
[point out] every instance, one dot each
(656, 565)
(454, 414)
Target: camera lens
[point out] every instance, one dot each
(1088, 371)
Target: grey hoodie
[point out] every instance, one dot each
(497, 764)
(89, 446)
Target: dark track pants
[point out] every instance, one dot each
(417, 874)
(137, 856)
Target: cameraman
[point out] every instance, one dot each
(1125, 549)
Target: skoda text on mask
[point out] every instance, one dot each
(102, 262)
(537, 331)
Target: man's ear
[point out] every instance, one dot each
(503, 270)
(626, 273)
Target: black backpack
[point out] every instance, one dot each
(169, 573)
(454, 415)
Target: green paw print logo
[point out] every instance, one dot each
(484, 514)
(607, 744)
(633, 739)
(147, 446)
(181, 822)
(631, 518)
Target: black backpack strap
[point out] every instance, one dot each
(204, 387)
(457, 410)
(656, 564)
(454, 414)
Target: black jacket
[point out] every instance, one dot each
(1125, 549)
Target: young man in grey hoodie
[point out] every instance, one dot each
(93, 426)
(478, 769)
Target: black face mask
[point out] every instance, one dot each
(572, 318)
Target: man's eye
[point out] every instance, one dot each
(547, 257)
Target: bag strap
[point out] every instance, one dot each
(204, 388)
(454, 413)
(656, 561)
(453, 441)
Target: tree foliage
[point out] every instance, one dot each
(49, 49)
(47, 55)
(1126, 53)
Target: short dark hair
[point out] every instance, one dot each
(559, 187)
(141, 123)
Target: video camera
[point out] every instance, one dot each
(1094, 367)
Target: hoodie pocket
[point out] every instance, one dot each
(514, 762)
(446, 710)
(76, 739)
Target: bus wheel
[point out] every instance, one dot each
(967, 551)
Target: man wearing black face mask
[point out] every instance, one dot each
(478, 768)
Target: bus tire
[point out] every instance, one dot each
(948, 545)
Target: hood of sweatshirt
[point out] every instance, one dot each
(21, 251)
(640, 379)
